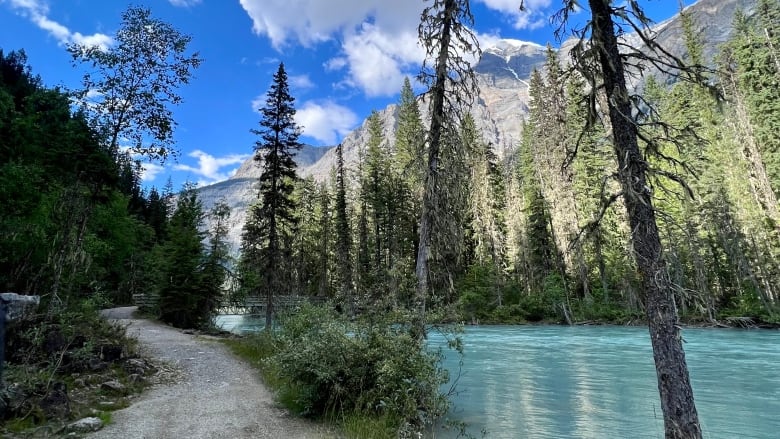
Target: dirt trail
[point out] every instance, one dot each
(218, 395)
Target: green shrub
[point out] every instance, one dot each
(338, 368)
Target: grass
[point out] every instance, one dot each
(105, 417)
(357, 425)
(255, 349)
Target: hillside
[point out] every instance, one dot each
(502, 104)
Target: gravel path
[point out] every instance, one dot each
(218, 396)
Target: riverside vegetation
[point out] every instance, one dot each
(532, 236)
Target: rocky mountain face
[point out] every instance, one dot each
(502, 104)
(240, 191)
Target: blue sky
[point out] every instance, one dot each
(344, 58)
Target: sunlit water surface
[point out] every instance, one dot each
(599, 382)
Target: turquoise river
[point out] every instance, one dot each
(599, 381)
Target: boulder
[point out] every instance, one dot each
(18, 306)
(86, 425)
(113, 386)
(136, 378)
(136, 366)
(95, 365)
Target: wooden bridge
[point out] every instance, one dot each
(257, 305)
(249, 305)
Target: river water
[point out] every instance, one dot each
(599, 381)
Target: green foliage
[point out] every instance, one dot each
(265, 242)
(142, 71)
(190, 279)
(48, 352)
(257, 349)
(476, 291)
(65, 231)
(343, 232)
(334, 367)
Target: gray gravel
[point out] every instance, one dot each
(218, 395)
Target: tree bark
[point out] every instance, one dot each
(430, 196)
(680, 417)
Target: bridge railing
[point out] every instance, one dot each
(249, 305)
(257, 305)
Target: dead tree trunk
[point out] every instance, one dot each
(681, 420)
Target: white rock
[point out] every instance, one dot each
(85, 425)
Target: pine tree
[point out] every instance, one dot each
(216, 266)
(270, 222)
(410, 138)
(374, 193)
(309, 274)
(405, 197)
(539, 250)
(343, 232)
(486, 207)
(325, 235)
(180, 286)
(552, 143)
(445, 35)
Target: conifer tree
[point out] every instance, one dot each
(216, 266)
(539, 250)
(405, 197)
(445, 35)
(270, 221)
(410, 138)
(182, 298)
(374, 191)
(343, 231)
(553, 140)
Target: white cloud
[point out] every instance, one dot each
(301, 82)
(37, 11)
(336, 63)
(376, 59)
(150, 171)
(327, 122)
(209, 166)
(258, 102)
(184, 3)
(378, 38)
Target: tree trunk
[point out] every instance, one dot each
(680, 417)
(430, 196)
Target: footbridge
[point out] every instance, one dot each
(257, 304)
(247, 305)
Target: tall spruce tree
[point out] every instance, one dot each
(407, 174)
(343, 232)
(445, 34)
(271, 220)
(180, 285)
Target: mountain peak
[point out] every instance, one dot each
(511, 47)
(508, 62)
